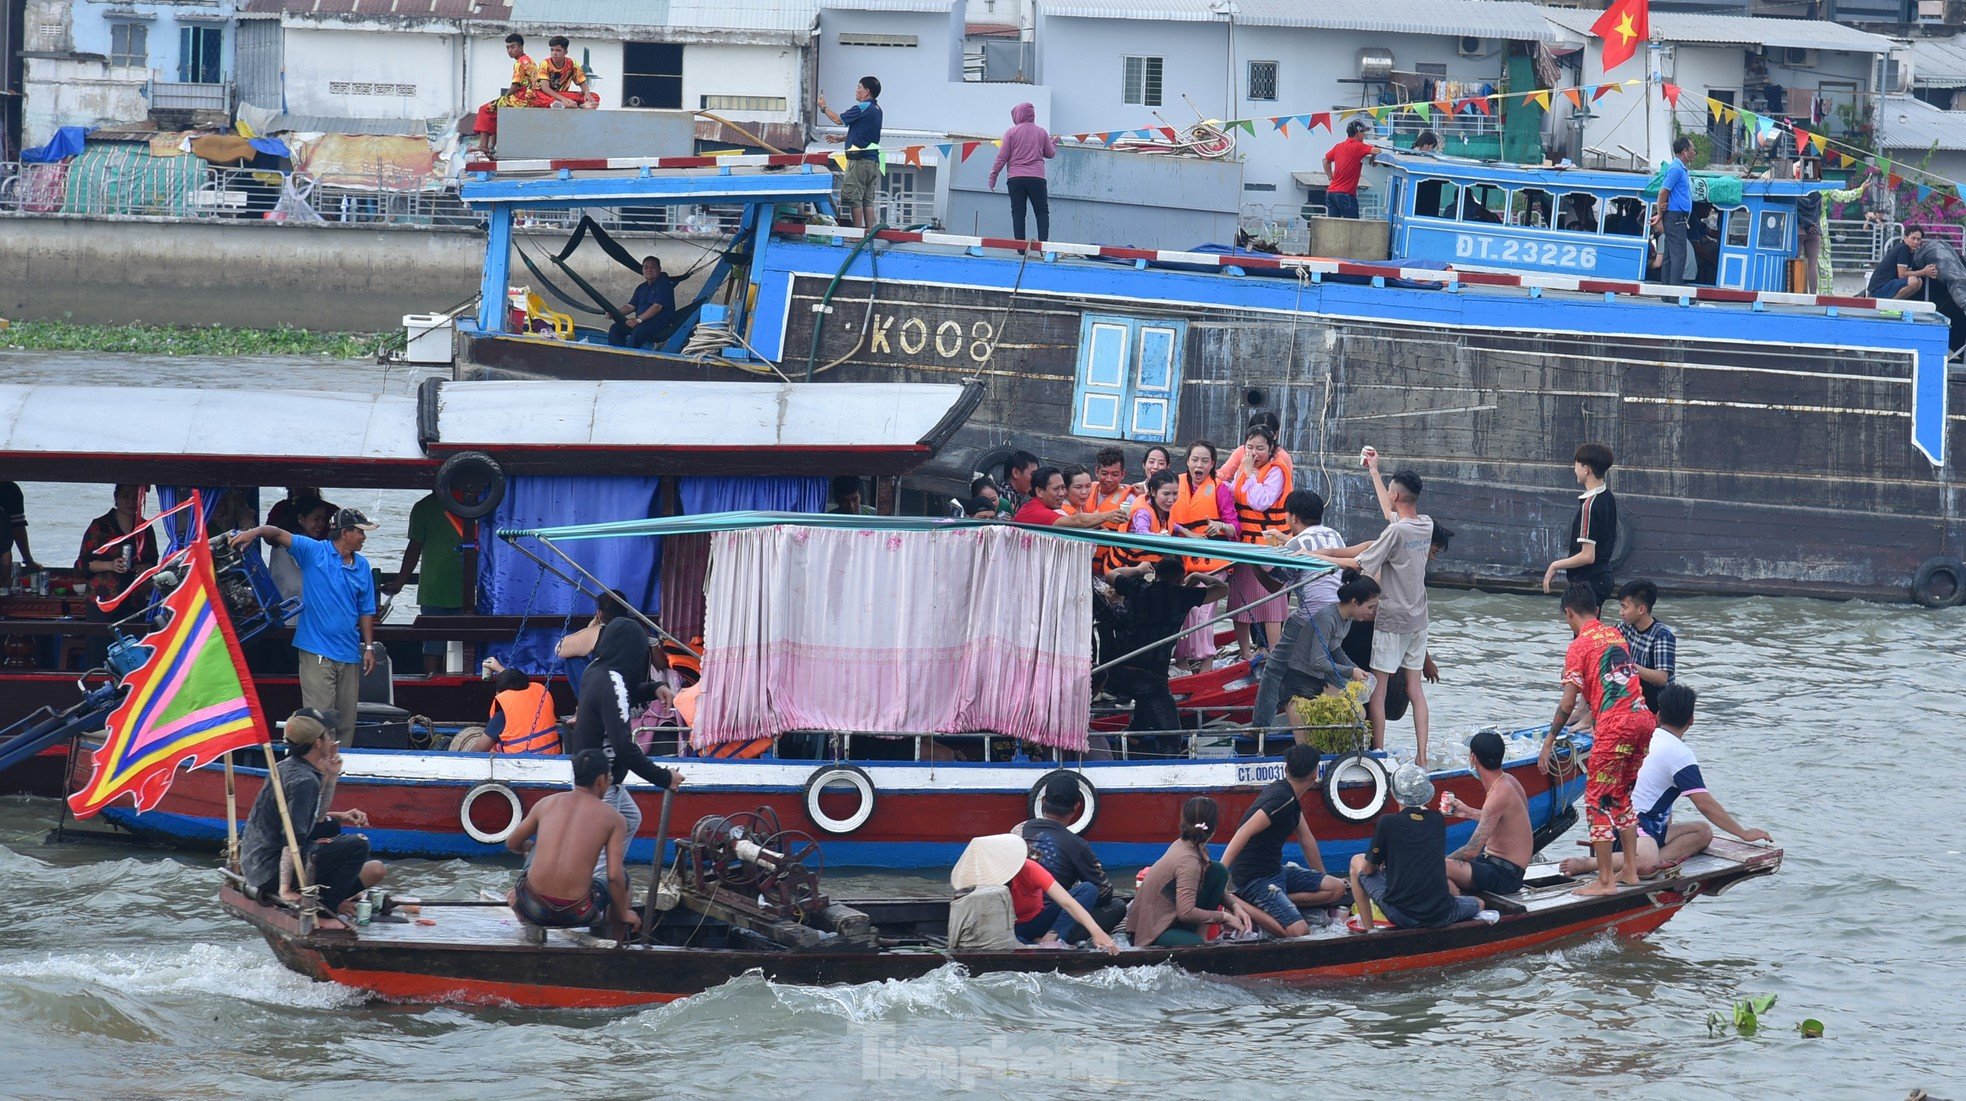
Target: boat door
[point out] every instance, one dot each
(1736, 226)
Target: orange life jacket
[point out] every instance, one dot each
(1256, 521)
(687, 665)
(1193, 510)
(1126, 556)
(1108, 559)
(530, 725)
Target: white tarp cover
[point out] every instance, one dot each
(970, 629)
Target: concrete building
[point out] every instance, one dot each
(1147, 63)
(87, 63)
(745, 60)
(1804, 69)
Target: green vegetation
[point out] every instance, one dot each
(182, 340)
(1334, 724)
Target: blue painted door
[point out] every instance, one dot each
(1128, 384)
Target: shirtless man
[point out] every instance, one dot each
(565, 834)
(1493, 860)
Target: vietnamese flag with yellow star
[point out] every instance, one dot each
(1624, 28)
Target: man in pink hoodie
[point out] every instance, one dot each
(1025, 148)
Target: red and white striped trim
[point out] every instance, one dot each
(1536, 280)
(636, 164)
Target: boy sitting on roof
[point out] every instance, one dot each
(523, 91)
(563, 80)
(565, 835)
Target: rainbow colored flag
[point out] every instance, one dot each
(189, 703)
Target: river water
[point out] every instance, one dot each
(1833, 726)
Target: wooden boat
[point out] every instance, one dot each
(917, 814)
(540, 436)
(477, 952)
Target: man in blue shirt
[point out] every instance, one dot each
(335, 632)
(1675, 206)
(862, 184)
(651, 309)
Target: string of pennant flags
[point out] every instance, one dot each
(1926, 185)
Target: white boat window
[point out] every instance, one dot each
(1436, 199)
(1531, 207)
(1484, 203)
(1628, 217)
(1737, 226)
(1578, 212)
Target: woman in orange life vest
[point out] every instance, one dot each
(1233, 466)
(1204, 509)
(522, 719)
(1260, 487)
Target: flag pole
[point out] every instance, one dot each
(286, 820)
(231, 817)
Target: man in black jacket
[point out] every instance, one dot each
(1071, 862)
(615, 686)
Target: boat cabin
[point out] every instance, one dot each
(510, 452)
(1591, 223)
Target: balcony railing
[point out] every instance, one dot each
(170, 95)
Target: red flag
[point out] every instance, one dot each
(1671, 92)
(1624, 27)
(1481, 104)
(968, 148)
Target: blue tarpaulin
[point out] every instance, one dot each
(272, 146)
(66, 143)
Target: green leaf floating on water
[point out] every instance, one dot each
(1762, 1003)
(1810, 1028)
(1745, 1021)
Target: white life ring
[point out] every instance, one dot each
(1350, 770)
(471, 830)
(1089, 794)
(854, 777)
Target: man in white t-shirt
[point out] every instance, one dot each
(1398, 561)
(1670, 771)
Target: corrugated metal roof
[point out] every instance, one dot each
(1509, 19)
(791, 17)
(1738, 30)
(1907, 123)
(889, 5)
(1939, 62)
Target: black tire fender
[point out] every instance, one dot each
(1940, 582)
(469, 470)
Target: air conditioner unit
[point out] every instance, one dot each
(1797, 58)
(1931, 11)
(1472, 46)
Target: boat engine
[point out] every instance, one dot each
(748, 870)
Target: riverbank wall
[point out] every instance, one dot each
(326, 277)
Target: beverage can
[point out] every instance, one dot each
(1366, 455)
(363, 911)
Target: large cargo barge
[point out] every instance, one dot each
(1767, 442)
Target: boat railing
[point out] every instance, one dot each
(1856, 242)
(1123, 745)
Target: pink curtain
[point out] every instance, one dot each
(970, 629)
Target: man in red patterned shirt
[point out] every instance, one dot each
(1598, 667)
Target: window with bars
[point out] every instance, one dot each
(129, 44)
(200, 55)
(743, 103)
(1141, 86)
(652, 75)
(1262, 80)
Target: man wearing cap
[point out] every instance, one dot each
(335, 633)
(1405, 870)
(1070, 861)
(338, 862)
(1493, 860)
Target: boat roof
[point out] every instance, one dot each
(179, 435)
(1559, 179)
(649, 181)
